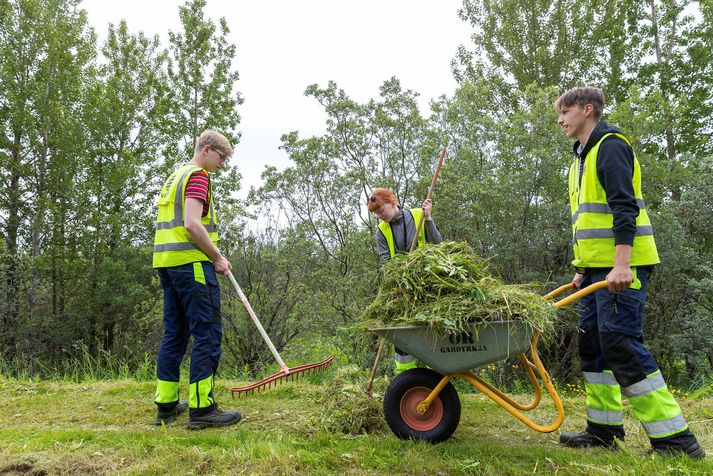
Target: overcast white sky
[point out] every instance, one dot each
(285, 45)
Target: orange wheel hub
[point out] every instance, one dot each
(409, 411)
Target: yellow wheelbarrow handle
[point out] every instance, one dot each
(575, 296)
(506, 402)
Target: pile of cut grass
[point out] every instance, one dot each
(447, 287)
(345, 407)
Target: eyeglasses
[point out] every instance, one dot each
(222, 157)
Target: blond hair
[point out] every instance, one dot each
(215, 140)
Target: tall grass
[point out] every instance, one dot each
(79, 365)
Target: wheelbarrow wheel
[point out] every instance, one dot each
(406, 392)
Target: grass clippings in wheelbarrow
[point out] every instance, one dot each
(346, 408)
(447, 286)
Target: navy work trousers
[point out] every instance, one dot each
(611, 329)
(191, 307)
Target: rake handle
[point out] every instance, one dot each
(430, 192)
(264, 335)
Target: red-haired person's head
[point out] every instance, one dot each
(383, 203)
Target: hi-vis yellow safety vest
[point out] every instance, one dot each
(385, 228)
(592, 219)
(172, 245)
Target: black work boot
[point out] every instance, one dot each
(586, 440)
(693, 452)
(681, 444)
(216, 417)
(164, 416)
(595, 435)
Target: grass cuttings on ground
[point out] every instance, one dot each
(345, 406)
(447, 287)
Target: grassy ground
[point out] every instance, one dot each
(106, 427)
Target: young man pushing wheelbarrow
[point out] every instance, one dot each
(613, 240)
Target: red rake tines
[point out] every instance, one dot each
(284, 375)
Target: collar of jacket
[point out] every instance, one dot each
(596, 135)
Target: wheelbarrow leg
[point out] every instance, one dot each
(507, 403)
(376, 366)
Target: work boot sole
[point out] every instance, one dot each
(698, 453)
(165, 421)
(609, 446)
(577, 441)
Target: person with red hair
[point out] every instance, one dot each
(395, 234)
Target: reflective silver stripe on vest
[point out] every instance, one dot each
(602, 416)
(645, 387)
(665, 427)
(176, 247)
(589, 233)
(600, 208)
(167, 225)
(600, 378)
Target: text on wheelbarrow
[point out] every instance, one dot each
(464, 348)
(464, 342)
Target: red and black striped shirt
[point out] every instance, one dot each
(198, 187)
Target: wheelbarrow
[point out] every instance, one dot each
(422, 403)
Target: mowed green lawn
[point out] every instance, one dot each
(52, 427)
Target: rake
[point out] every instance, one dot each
(286, 373)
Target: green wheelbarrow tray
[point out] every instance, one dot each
(485, 343)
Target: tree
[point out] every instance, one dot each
(47, 48)
(124, 115)
(322, 196)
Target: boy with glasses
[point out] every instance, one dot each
(188, 260)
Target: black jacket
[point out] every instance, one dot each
(615, 171)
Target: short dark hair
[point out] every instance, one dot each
(581, 97)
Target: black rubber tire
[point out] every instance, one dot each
(416, 380)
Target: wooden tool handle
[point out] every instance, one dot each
(430, 192)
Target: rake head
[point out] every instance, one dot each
(284, 375)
